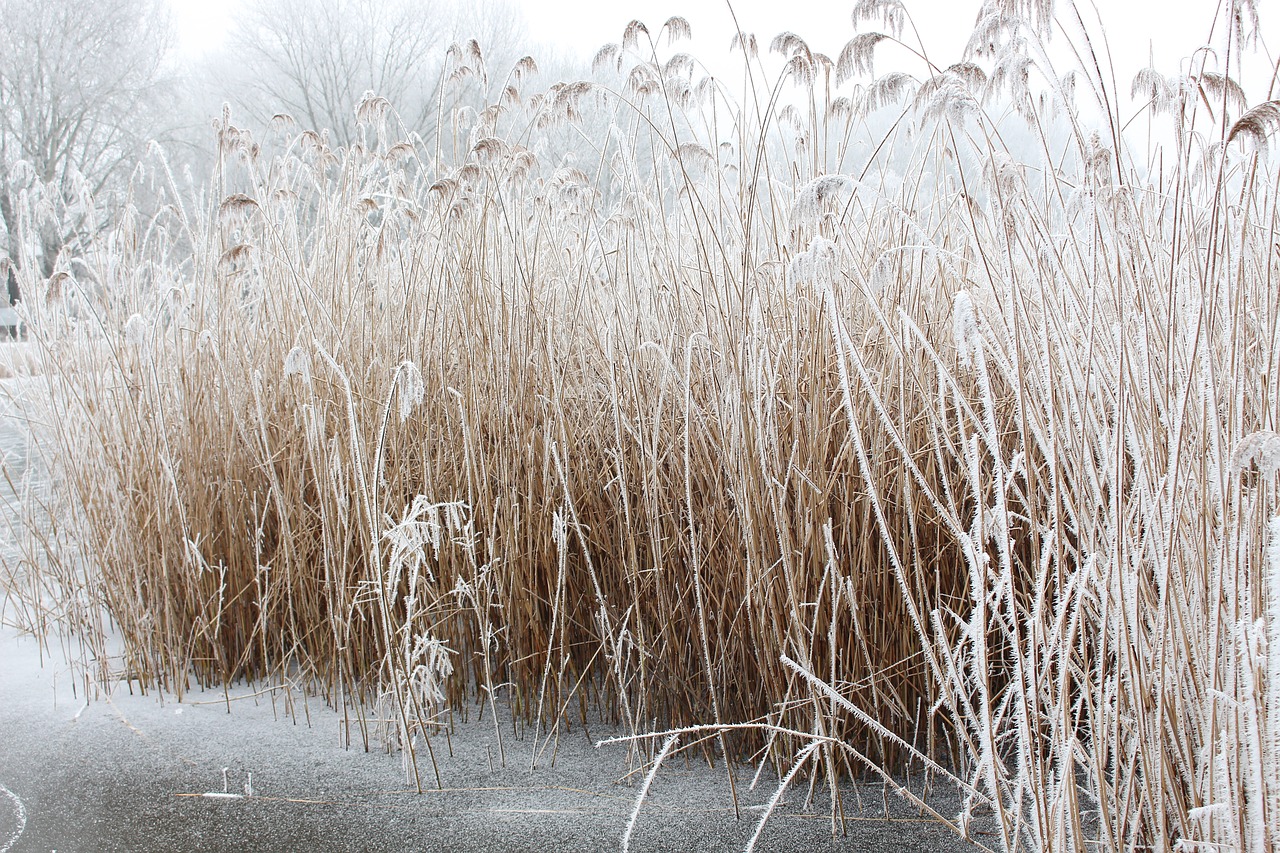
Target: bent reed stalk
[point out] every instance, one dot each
(832, 424)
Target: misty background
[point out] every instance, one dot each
(90, 91)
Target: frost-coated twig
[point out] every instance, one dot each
(667, 745)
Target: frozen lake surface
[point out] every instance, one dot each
(132, 772)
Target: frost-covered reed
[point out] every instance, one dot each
(828, 422)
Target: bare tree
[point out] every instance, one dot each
(78, 84)
(314, 59)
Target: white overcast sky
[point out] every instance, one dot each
(1171, 28)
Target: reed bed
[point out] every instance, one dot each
(826, 430)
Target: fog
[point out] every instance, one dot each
(883, 392)
(90, 91)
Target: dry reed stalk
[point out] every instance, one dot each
(939, 457)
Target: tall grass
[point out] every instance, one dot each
(826, 426)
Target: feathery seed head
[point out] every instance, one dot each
(608, 55)
(814, 197)
(746, 42)
(790, 45)
(1260, 450)
(858, 56)
(372, 108)
(889, 89)
(235, 209)
(631, 35)
(964, 326)
(410, 389)
(1258, 124)
(677, 28)
(135, 331)
(298, 363)
(892, 14)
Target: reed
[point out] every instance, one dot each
(826, 423)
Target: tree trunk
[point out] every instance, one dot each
(11, 239)
(51, 243)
